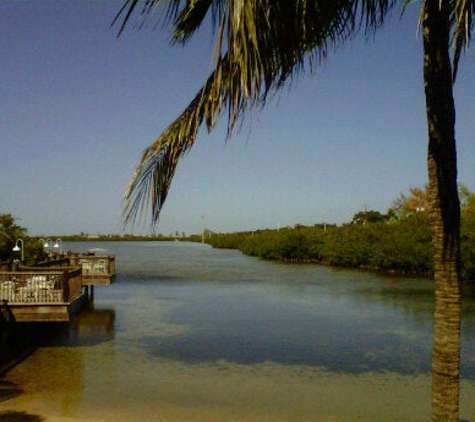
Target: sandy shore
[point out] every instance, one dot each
(53, 386)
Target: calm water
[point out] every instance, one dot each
(191, 333)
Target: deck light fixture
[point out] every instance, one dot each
(58, 244)
(17, 248)
(48, 245)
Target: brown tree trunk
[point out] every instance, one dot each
(445, 211)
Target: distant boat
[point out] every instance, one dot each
(94, 250)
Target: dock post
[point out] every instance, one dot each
(6, 314)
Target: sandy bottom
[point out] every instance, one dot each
(80, 384)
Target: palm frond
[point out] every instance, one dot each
(463, 12)
(148, 9)
(260, 44)
(189, 19)
(152, 178)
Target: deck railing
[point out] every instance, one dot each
(94, 264)
(29, 287)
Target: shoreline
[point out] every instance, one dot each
(173, 391)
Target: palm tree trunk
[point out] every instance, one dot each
(445, 211)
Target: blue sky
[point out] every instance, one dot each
(78, 106)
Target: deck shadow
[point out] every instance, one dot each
(8, 390)
(13, 416)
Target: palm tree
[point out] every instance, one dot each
(260, 45)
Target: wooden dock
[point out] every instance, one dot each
(41, 295)
(96, 269)
(53, 291)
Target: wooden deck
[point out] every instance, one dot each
(40, 295)
(96, 269)
(42, 312)
(55, 289)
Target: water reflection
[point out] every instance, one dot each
(91, 327)
(58, 352)
(254, 324)
(219, 305)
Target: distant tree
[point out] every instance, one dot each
(371, 216)
(9, 233)
(403, 247)
(416, 202)
(467, 201)
(467, 229)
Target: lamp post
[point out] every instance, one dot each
(17, 248)
(48, 246)
(58, 244)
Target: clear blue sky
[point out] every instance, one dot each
(78, 106)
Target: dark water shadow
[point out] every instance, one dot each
(91, 327)
(9, 390)
(19, 340)
(385, 327)
(12, 416)
(355, 359)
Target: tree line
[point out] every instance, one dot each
(399, 241)
(396, 242)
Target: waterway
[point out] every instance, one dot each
(191, 333)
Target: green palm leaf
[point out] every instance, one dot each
(253, 58)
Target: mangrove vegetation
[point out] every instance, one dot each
(398, 242)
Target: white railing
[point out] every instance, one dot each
(39, 287)
(94, 264)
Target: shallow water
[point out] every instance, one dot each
(189, 333)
